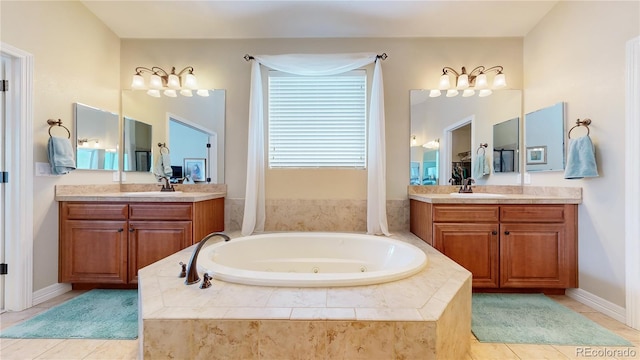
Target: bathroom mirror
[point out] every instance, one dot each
(544, 139)
(137, 145)
(204, 115)
(96, 138)
(433, 118)
(506, 145)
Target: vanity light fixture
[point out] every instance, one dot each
(469, 82)
(183, 82)
(85, 142)
(433, 144)
(414, 141)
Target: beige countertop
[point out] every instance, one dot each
(138, 193)
(504, 195)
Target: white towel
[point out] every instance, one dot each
(61, 156)
(163, 167)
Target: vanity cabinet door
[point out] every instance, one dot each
(536, 256)
(93, 251)
(150, 241)
(420, 220)
(473, 246)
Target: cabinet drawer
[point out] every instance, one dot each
(465, 213)
(160, 211)
(93, 211)
(532, 213)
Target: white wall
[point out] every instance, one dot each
(576, 54)
(76, 59)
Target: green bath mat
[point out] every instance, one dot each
(96, 314)
(535, 319)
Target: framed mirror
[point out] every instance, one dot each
(544, 139)
(443, 120)
(97, 137)
(185, 125)
(506, 146)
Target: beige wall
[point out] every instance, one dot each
(76, 59)
(412, 64)
(576, 54)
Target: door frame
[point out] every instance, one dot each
(19, 190)
(632, 185)
(445, 149)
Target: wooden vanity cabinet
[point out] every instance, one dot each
(505, 246)
(107, 243)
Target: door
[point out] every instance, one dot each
(3, 168)
(473, 246)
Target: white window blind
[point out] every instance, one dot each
(317, 121)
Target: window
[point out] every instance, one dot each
(317, 121)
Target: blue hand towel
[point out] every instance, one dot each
(581, 159)
(481, 167)
(61, 156)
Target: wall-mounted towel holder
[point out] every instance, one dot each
(163, 147)
(482, 147)
(585, 123)
(53, 122)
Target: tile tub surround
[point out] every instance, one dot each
(513, 194)
(425, 316)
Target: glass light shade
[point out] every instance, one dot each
(186, 92)
(155, 82)
(173, 82)
(468, 92)
(413, 140)
(170, 93)
(154, 93)
(500, 81)
(452, 93)
(485, 92)
(96, 144)
(463, 82)
(203, 92)
(190, 82)
(137, 83)
(481, 82)
(445, 83)
(434, 93)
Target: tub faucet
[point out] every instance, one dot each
(192, 268)
(466, 185)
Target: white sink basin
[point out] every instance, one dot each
(477, 195)
(151, 193)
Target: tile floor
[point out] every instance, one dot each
(127, 349)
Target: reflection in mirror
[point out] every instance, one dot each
(96, 138)
(506, 145)
(137, 145)
(440, 118)
(204, 114)
(544, 139)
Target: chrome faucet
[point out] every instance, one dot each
(167, 184)
(192, 268)
(466, 185)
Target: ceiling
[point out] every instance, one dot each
(237, 19)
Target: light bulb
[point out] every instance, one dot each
(463, 82)
(155, 82)
(186, 92)
(445, 83)
(190, 81)
(500, 81)
(137, 83)
(203, 92)
(452, 92)
(173, 82)
(481, 82)
(434, 93)
(154, 93)
(170, 93)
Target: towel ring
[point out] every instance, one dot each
(585, 123)
(163, 146)
(482, 147)
(58, 122)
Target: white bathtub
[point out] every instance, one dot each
(310, 259)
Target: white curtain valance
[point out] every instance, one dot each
(315, 65)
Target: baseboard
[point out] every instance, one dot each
(50, 292)
(604, 306)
